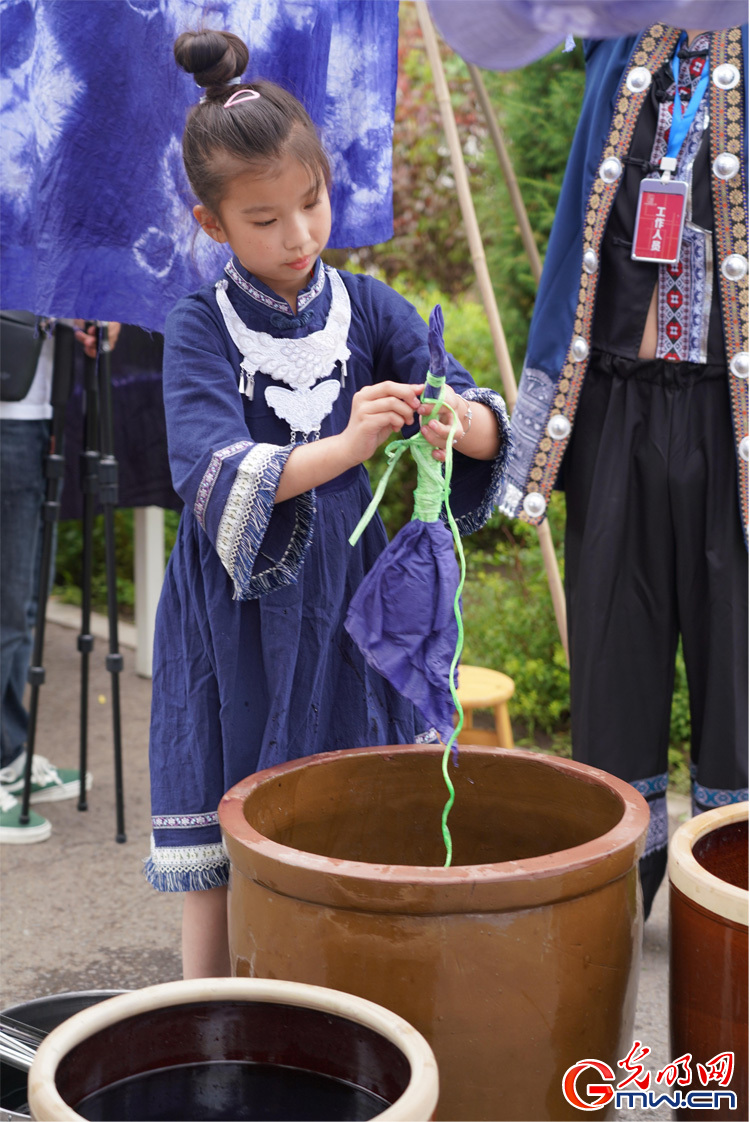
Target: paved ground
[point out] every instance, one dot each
(77, 913)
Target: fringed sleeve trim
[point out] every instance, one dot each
(245, 521)
(474, 520)
(190, 868)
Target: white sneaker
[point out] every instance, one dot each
(48, 783)
(12, 832)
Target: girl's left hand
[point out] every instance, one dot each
(438, 430)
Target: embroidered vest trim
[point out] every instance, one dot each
(730, 200)
(653, 49)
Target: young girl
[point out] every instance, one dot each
(280, 380)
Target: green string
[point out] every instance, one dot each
(459, 640)
(432, 493)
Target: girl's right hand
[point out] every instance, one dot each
(377, 411)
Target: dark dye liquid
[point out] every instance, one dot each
(231, 1091)
(723, 852)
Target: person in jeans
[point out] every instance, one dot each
(24, 442)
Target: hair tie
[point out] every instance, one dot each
(240, 96)
(232, 82)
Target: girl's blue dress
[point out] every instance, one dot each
(252, 664)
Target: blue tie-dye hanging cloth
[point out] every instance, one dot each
(94, 202)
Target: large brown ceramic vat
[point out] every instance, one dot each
(516, 962)
(708, 948)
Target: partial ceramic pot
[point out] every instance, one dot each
(43, 1014)
(233, 1048)
(516, 962)
(708, 874)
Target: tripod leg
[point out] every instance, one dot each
(108, 482)
(89, 479)
(54, 470)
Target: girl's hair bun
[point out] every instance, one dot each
(212, 57)
(257, 130)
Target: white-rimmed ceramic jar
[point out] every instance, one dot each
(206, 1048)
(708, 978)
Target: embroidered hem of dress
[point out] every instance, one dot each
(658, 825)
(190, 868)
(474, 520)
(184, 821)
(653, 785)
(245, 519)
(708, 798)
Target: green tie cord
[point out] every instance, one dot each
(431, 494)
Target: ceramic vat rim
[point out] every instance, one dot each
(417, 1102)
(697, 884)
(424, 890)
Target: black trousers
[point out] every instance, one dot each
(654, 550)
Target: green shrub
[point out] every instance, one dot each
(69, 562)
(679, 732)
(510, 625)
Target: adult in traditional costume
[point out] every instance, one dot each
(642, 418)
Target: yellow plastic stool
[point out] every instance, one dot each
(479, 688)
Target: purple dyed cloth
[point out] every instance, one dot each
(436, 343)
(402, 618)
(506, 34)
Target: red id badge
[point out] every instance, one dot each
(659, 221)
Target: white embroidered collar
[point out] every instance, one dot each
(299, 363)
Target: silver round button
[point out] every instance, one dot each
(740, 364)
(638, 79)
(559, 426)
(734, 267)
(611, 170)
(590, 261)
(726, 76)
(534, 504)
(726, 165)
(579, 349)
(744, 452)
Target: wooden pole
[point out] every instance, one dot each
(519, 209)
(479, 260)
